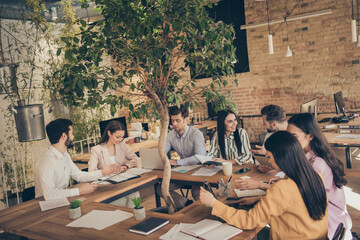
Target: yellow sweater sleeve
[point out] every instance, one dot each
(273, 204)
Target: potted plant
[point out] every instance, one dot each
(139, 211)
(75, 210)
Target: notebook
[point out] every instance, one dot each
(149, 225)
(117, 178)
(205, 160)
(249, 193)
(211, 230)
(150, 158)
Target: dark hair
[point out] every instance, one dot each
(221, 115)
(274, 113)
(291, 159)
(174, 110)
(56, 128)
(307, 123)
(112, 126)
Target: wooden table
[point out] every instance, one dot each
(332, 136)
(135, 147)
(27, 220)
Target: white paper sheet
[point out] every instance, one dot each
(138, 171)
(185, 168)
(249, 193)
(100, 219)
(350, 136)
(207, 171)
(175, 234)
(47, 205)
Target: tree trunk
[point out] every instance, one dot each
(167, 168)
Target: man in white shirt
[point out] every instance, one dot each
(55, 167)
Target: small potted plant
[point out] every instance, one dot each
(75, 210)
(139, 211)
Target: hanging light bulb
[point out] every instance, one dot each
(288, 51)
(358, 41)
(353, 30)
(271, 47)
(353, 23)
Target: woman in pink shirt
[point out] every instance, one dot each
(323, 160)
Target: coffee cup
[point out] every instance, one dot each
(227, 168)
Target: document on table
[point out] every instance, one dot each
(207, 171)
(249, 193)
(100, 219)
(47, 205)
(351, 136)
(185, 168)
(138, 171)
(175, 234)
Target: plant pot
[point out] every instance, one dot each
(139, 213)
(75, 212)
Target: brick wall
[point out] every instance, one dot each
(324, 60)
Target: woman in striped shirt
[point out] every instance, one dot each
(229, 143)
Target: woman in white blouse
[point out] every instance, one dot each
(112, 149)
(229, 143)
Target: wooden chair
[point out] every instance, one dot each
(339, 233)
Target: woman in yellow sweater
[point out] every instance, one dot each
(295, 207)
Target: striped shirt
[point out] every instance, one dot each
(231, 150)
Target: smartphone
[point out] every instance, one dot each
(243, 170)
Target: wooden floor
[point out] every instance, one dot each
(352, 189)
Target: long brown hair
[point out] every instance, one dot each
(307, 123)
(112, 126)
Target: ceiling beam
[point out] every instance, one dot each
(288, 19)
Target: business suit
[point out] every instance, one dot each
(100, 156)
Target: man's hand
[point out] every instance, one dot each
(173, 163)
(248, 200)
(110, 169)
(244, 184)
(86, 188)
(259, 150)
(206, 197)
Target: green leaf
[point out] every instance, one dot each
(83, 23)
(58, 52)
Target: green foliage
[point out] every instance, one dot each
(75, 203)
(137, 202)
(152, 46)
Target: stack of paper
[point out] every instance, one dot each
(249, 193)
(100, 219)
(185, 168)
(50, 204)
(207, 171)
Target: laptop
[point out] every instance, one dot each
(150, 158)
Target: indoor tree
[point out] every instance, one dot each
(147, 55)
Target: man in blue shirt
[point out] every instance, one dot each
(186, 141)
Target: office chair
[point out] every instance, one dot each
(28, 194)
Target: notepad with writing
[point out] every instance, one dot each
(212, 230)
(149, 225)
(249, 193)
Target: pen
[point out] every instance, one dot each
(230, 178)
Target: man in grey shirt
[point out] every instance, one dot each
(186, 141)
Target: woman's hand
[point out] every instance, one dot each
(264, 168)
(113, 168)
(248, 201)
(244, 184)
(132, 163)
(219, 160)
(206, 197)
